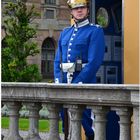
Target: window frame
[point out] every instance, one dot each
(49, 2)
(51, 9)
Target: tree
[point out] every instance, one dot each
(18, 43)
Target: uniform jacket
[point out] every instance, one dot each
(82, 40)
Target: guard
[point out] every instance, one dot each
(79, 55)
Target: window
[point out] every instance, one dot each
(47, 60)
(9, 1)
(50, 1)
(111, 74)
(117, 16)
(50, 14)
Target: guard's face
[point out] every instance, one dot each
(79, 12)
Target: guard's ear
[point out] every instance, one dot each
(88, 10)
(71, 14)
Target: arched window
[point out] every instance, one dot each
(48, 54)
(3, 43)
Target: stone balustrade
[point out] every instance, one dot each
(124, 99)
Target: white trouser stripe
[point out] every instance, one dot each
(92, 117)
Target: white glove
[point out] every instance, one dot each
(56, 81)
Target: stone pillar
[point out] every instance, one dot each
(33, 133)
(100, 122)
(14, 108)
(125, 122)
(75, 116)
(54, 121)
(136, 124)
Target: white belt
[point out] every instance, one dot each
(69, 67)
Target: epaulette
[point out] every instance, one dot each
(98, 26)
(91, 24)
(67, 28)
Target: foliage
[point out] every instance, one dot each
(18, 43)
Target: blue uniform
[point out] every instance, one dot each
(85, 41)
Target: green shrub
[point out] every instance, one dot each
(18, 43)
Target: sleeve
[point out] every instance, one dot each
(95, 57)
(57, 62)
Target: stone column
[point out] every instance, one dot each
(125, 122)
(54, 121)
(14, 108)
(33, 133)
(75, 116)
(136, 124)
(100, 122)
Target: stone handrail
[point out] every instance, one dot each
(101, 98)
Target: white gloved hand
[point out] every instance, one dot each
(56, 81)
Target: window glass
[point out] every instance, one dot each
(50, 1)
(49, 14)
(48, 54)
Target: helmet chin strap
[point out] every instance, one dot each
(79, 20)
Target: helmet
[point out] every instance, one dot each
(77, 3)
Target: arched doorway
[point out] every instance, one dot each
(3, 43)
(47, 58)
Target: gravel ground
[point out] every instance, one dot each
(24, 134)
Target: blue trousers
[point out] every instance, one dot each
(112, 126)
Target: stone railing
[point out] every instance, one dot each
(124, 99)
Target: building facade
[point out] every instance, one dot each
(54, 16)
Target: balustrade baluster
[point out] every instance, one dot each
(14, 108)
(33, 133)
(125, 122)
(136, 122)
(54, 121)
(100, 122)
(75, 116)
